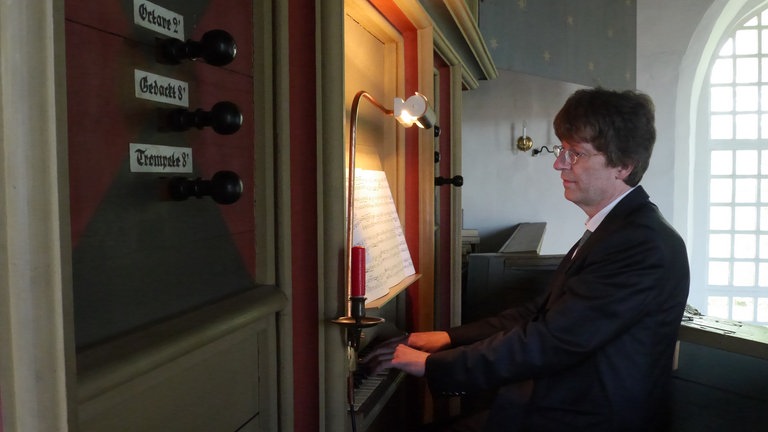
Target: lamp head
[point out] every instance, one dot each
(414, 110)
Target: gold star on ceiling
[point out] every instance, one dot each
(546, 56)
(569, 20)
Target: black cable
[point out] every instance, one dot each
(351, 400)
(541, 149)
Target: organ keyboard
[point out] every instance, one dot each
(372, 392)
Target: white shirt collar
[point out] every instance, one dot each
(593, 222)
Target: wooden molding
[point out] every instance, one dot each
(467, 24)
(449, 54)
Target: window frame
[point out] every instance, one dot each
(703, 176)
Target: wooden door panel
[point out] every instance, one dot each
(138, 256)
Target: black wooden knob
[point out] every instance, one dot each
(456, 180)
(224, 118)
(225, 187)
(217, 48)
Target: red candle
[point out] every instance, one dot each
(358, 272)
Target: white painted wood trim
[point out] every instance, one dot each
(467, 24)
(114, 363)
(332, 362)
(449, 54)
(281, 145)
(35, 287)
(456, 213)
(152, 363)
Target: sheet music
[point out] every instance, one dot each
(377, 228)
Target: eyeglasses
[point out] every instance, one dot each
(571, 157)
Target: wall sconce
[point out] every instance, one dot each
(524, 142)
(414, 110)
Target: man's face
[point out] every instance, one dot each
(588, 181)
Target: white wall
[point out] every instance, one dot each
(668, 54)
(504, 186)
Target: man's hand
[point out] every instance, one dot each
(409, 360)
(430, 342)
(382, 357)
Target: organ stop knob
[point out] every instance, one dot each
(217, 48)
(456, 180)
(225, 187)
(224, 118)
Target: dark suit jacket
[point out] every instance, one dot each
(597, 349)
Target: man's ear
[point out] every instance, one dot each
(624, 171)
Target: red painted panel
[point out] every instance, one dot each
(394, 15)
(304, 229)
(412, 214)
(97, 140)
(412, 177)
(116, 16)
(139, 257)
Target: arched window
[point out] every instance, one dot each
(734, 169)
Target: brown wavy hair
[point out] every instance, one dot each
(618, 124)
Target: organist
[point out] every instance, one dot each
(594, 353)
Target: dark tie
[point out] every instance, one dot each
(558, 284)
(584, 238)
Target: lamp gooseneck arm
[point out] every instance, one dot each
(351, 185)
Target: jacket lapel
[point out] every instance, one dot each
(614, 219)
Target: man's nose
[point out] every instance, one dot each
(560, 163)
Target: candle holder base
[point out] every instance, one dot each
(355, 323)
(354, 327)
(362, 322)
